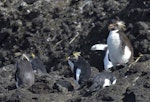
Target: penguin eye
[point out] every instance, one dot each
(73, 60)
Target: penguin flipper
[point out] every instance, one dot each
(99, 47)
(94, 88)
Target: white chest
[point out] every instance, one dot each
(106, 83)
(71, 64)
(113, 40)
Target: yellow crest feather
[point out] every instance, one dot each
(76, 54)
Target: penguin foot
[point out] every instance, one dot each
(108, 70)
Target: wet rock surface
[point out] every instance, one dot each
(52, 28)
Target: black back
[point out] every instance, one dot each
(82, 64)
(24, 67)
(38, 65)
(126, 42)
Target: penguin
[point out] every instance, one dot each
(107, 63)
(119, 46)
(24, 75)
(37, 65)
(80, 68)
(102, 80)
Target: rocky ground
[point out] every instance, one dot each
(52, 28)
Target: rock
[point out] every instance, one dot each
(74, 100)
(147, 85)
(3, 37)
(110, 97)
(144, 57)
(63, 86)
(94, 71)
(112, 5)
(135, 95)
(142, 25)
(141, 66)
(30, 1)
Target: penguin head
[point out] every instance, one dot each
(76, 55)
(32, 55)
(37, 65)
(25, 57)
(72, 59)
(117, 25)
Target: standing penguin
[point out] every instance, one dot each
(102, 80)
(119, 46)
(38, 65)
(80, 67)
(24, 75)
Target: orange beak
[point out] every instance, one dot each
(110, 27)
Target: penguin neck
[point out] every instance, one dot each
(114, 34)
(114, 31)
(114, 37)
(78, 58)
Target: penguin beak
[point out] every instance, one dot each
(111, 27)
(24, 56)
(33, 55)
(67, 58)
